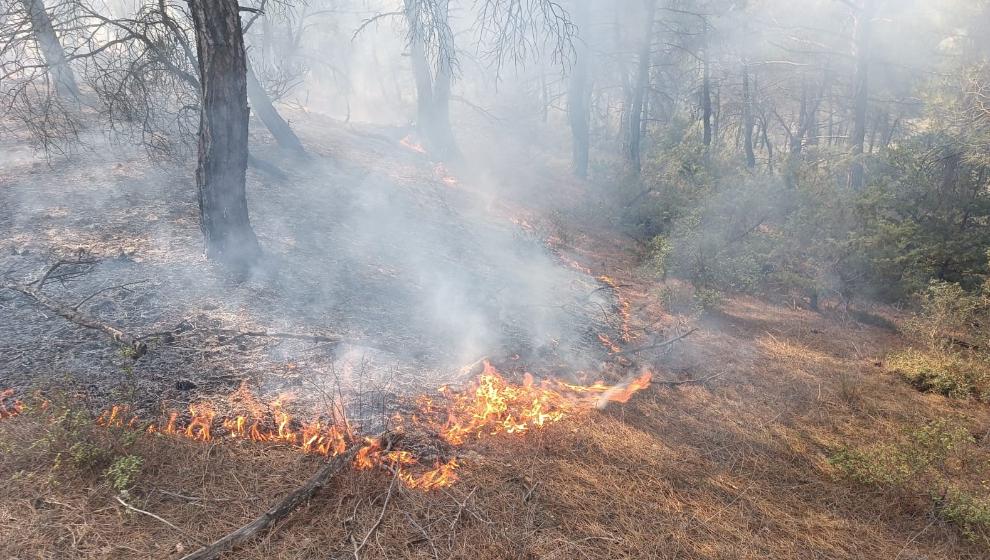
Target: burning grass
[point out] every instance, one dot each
(489, 405)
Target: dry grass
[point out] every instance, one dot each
(735, 469)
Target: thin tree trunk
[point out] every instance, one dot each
(223, 133)
(262, 106)
(706, 91)
(861, 92)
(642, 85)
(748, 120)
(578, 102)
(51, 50)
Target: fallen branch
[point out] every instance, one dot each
(282, 508)
(655, 346)
(699, 381)
(266, 334)
(73, 315)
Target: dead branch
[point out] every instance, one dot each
(153, 516)
(663, 344)
(73, 315)
(235, 335)
(388, 497)
(699, 381)
(282, 508)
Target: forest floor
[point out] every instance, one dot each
(739, 465)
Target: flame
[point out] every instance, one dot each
(608, 344)
(440, 170)
(410, 142)
(623, 308)
(13, 408)
(489, 405)
(492, 405)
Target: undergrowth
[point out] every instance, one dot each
(927, 461)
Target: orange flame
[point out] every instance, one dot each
(13, 408)
(488, 406)
(410, 142)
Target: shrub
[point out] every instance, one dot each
(943, 373)
(970, 513)
(123, 472)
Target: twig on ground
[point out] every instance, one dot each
(657, 345)
(153, 516)
(282, 508)
(73, 315)
(700, 381)
(107, 289)
(433, 547)
(388, 497)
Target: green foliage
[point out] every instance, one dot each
(886, 466)
(923, 459)
(970, 513)
(943, 373)
(949, 314)
(123, 472)
(657, 256)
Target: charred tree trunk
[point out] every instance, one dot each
(748, 120)
(51, 50)
(578, 96)
(642, 84)
(223, 133)
(261, 103)
(861, 92)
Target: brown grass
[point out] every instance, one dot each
(734, 469)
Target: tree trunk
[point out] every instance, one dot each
(748, 120)
(51, 50)
(223, 133)
(578, 96)
(706, 91)
(433, 91)
(642, 84)
(861, 92)
(262, 106)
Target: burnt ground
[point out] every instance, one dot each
(366, 239)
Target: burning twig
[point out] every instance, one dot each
(282, 508)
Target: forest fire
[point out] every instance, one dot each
(488, 406)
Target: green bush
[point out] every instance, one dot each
(970, 513)
(123, 473)
(943, 373)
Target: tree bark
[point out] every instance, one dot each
(861, 92)
(51, 50)
(642, 84)
(578, 96)
(261, 103)
(223, 133)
